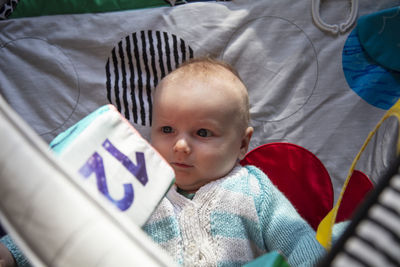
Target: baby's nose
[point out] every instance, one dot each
(182, 145)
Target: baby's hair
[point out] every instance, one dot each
(206, 65)
(206, 61)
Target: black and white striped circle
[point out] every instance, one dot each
(136, 65)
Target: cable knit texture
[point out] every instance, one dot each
(231, 221)
(20, 258)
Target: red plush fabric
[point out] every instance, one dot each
(359, 185)
(302, 177)
(299, 174)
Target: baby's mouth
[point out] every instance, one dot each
(181, 165)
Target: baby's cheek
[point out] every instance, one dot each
(161, 147)
(220, 163)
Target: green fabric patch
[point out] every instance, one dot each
(185, 194)
(271, 259)
(35, 8)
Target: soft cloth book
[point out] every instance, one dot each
(53, 207)
(108, 153)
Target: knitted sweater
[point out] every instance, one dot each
(231, 221)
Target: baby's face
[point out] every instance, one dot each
(197, 129)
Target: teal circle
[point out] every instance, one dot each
(375, 84)
(379, 35)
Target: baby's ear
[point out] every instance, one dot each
(245, 142)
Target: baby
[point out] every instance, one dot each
(218, 213)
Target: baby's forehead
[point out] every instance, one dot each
(211, 93)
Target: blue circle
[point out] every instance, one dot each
(378, 86)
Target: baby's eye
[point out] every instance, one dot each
(204, 133)
(166, 129)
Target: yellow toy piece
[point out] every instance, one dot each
(324, 231)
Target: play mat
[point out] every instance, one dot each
(320, 74)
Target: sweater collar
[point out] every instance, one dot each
(205, 193)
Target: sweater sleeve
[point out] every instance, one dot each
(19, 257)
(283, 228)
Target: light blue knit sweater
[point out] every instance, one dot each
(228, 223)
(232, 221)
